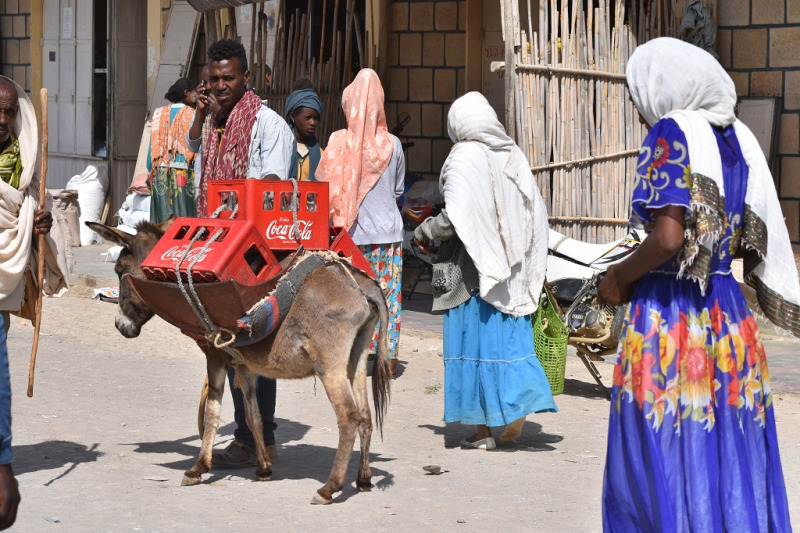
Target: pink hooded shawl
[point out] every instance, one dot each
(356, 157)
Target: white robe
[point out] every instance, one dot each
(17, 208)
(495, 206)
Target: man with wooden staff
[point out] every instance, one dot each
(20, 219)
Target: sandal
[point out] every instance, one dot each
(484, 444)
(239, 455)
(235, 455)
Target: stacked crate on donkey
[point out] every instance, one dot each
(237, 252)
(273, 207)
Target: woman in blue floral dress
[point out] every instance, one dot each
(692, 444)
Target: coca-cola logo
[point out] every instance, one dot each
(175, 253)
(284, 231)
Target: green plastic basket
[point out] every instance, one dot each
(550, 338)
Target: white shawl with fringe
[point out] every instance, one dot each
(669, 78)
(17, 207)
(495, 207)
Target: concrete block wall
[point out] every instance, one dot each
(426, 69)
(15, 48)
(758, 44)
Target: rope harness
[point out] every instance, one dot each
(219, 337)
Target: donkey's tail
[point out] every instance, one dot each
(381, 373)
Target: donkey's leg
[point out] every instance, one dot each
(217, 367)
(337, 388)
(201, 409)
(359, 384)
(246, 381)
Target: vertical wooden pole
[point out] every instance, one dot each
(322, 44)
(258, 82)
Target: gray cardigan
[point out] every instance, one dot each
(440, 228)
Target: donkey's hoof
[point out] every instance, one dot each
(319, 499)
(264, 475)
(191, 479)
(364, 485)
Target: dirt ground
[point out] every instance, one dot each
(104, 441)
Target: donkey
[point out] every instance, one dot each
(325, 333)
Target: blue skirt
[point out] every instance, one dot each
(491, 374)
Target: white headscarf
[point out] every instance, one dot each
(17, 208)
(669, 78)
(495, 207)
(667, 74)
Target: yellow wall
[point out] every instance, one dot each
(154, 34)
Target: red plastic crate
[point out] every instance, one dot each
(343, 244)
(268, 204)
(239, 254)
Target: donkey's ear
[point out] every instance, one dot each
(112, 234)
(164, 226)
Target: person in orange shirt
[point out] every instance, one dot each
(171, 160)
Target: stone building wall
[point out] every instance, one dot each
(426, 72)
(15, 31)
(759, 45)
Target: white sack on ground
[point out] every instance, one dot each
(91, 185)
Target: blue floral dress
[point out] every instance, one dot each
(692, 443)
(386, 261)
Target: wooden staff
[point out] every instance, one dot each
(41, 243)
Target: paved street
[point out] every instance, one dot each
(104, 441)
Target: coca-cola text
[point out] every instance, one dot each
(284, 231)
(175, 253)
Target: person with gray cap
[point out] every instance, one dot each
(303, 110)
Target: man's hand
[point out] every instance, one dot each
(42, 222)
(9, 497)
(213, 104)
(201, 104)
(207, 103)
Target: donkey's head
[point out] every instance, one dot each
(133, 312)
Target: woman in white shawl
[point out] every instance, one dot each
(692, 443)
(494, 228)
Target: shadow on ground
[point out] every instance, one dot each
(584, 389)
(531, 440)
(51, 455)
(294, 462)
